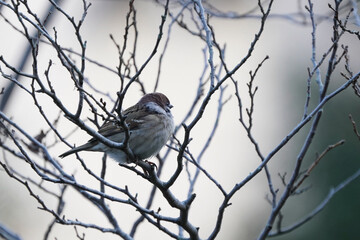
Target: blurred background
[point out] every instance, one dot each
(279, 106)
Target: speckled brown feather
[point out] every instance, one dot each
(133, 115)
(140, 116)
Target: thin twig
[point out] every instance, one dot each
(319, 208)
(316, 162)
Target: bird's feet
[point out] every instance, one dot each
(152, 165)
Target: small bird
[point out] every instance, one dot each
(150, 125)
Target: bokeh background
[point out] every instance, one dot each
(278, 108)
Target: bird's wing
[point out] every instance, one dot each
(133, 118)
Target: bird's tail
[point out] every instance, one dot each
(75, 150)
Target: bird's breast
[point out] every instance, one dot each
(151, 136)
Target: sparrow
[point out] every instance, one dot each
(150, 125)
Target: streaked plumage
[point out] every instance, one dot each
(150, 124)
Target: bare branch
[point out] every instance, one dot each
(205, 100)
(319, 208)
(316, 162)
(354, 127)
